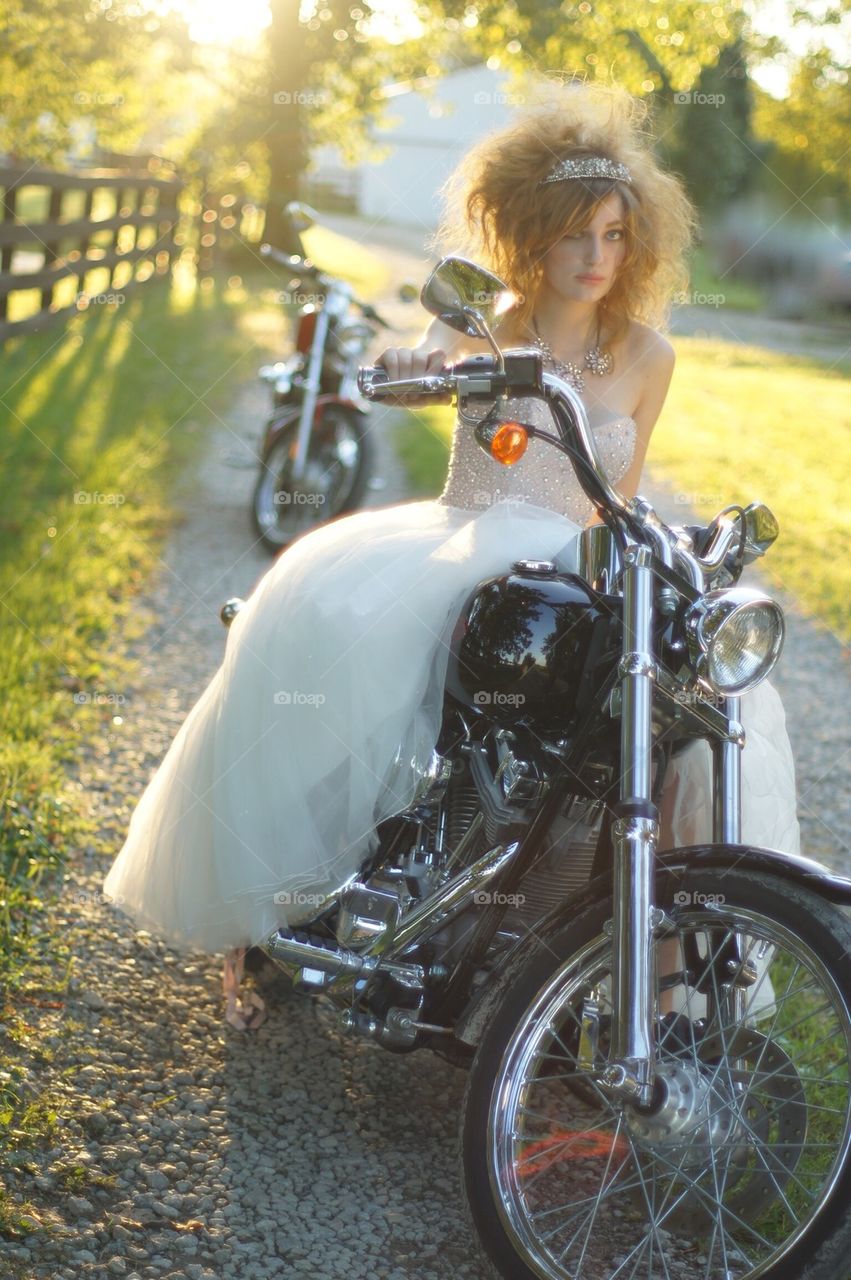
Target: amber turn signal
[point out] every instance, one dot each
(509, 442)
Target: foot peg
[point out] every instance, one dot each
(300, 951)
(322, 964)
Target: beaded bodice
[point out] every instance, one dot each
(543, 476)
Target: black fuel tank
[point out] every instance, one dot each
(525, 643)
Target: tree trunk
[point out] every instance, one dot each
(287, 153)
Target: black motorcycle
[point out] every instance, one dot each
(658, 1043)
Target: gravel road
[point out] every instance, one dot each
(292, 1150)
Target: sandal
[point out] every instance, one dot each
(247, 1010)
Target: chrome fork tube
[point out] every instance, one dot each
(727, 778)
(727, 829)
(635, 834)
(311, 390)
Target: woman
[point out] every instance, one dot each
(327, 702)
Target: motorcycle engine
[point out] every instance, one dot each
(484, 793)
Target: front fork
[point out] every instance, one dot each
(630, 1070)
(310, 393)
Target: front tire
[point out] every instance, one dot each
(340, 461)
(563, 1183)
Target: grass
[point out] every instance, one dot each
(744, 423)
(101, 419)
(740, 424)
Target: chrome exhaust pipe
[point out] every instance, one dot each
(299, 952)
(443, 905)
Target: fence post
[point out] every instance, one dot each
(10, 204)
(54, 213)
(84, 241)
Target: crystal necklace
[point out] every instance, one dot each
(597, 360)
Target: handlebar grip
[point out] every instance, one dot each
(372, 379)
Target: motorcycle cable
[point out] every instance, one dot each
(581, 463)
(738, 556)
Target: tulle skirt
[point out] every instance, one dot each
(325, 711)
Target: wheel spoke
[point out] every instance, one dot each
(573, 1156)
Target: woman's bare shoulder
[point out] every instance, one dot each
(647, 346)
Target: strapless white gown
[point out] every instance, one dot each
(327, 705)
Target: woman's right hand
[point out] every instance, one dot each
(413, 362)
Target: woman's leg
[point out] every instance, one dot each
(685, 818)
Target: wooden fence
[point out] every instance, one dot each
(64, 241)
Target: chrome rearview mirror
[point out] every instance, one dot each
(761, 529)
(467, 297)
(301, 216)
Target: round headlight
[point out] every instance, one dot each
(353, 339)
(734, 637)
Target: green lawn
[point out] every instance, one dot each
(99, 419)
(745, 423)
(740, 424)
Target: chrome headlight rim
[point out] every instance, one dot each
(353, 339)
(706, 619)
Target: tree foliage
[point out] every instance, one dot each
(130, 74)
(71, 66)
(809, 132)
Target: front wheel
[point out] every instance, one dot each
(338, 468)
(742, 1166)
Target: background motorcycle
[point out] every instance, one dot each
(317, 454)
(658, 1043)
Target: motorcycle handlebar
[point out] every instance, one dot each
(370, 313)
(303, 267)
(292, 261)
(671, 544)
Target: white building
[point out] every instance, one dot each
(430, 124)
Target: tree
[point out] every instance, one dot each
(74, 61)
(808, 132)
(712, 144)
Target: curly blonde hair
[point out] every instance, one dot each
(495, 212)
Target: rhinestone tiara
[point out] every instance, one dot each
(588, 167)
